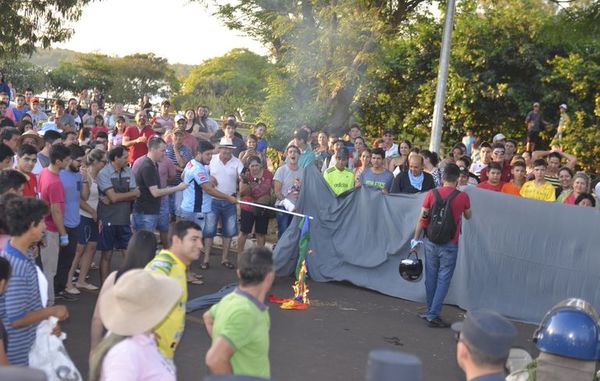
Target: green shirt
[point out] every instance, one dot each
(339, 181)
(244, 322)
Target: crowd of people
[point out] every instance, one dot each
(83, 179)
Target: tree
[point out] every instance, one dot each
(321, 49)
(22, 74)
(233, 83)
(33, 23)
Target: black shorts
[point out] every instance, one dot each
(249, 219)
(533, 136)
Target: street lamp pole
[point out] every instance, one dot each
(440, 92)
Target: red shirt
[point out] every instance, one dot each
(459, 204)
(138, 149)
(488, 186)
(504, 177)
(30, 188)
(53, 192)
(95, 130)
(570, 199)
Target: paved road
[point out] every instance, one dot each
(330, 341)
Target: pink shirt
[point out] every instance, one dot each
(52, 191)
(137, 359)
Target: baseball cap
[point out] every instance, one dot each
(388, 131)
(34, 100)
(488, 332)
(498, 137)
(563, 106)
(179, 117)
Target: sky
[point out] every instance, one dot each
(179, 30)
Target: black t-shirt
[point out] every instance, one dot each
(146, 177)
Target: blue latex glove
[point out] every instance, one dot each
(64, 240)
(414, 243)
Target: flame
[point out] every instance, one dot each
(300, 286)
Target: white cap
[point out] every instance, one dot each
(563, 106)
(179, 117)
(498, 137)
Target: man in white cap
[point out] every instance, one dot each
(483, 342)
(563, 124)
(226, 169)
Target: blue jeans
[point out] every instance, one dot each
(227, 213)
(283, 221)
(439, 267)
(147, 222)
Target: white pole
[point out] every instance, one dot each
(274, 209)
(440, 92)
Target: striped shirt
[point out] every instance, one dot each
(185, 153)
(22, 295)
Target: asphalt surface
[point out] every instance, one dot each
(329, 341)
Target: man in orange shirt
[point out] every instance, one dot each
(519, 172)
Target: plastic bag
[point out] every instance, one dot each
(49, 354)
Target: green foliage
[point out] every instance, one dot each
(23, 74)
(122, 79)
(233, 83)
(35, 23)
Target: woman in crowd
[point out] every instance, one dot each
(88, 227)
(192, 126)
(322, 149)
(251, 143)
(430, 162)
(565, 179)
(528, 162)
(115, 138)
(130, 310)
(255, 186)
(98, 126)
(365, 162)
(89, 117)
(359, 146)
(400, 163)
(140, 250)
(581, 185)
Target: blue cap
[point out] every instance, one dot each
(488, 332)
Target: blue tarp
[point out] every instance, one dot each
(516, 256)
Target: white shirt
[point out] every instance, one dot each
(226, 174)
(393, 151)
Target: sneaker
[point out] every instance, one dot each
(66, 297)
(423, 315)
(72, 291)
(86, 287)
(437, 323)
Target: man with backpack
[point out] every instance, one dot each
(441, 215)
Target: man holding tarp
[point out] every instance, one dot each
(441, 215)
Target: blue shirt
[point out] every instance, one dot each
(307, 158)
(22, 295)
(379, 181)
(71, 181)
(261, 145)
(195, 200)
(185, 153)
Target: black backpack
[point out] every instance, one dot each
(441, 227)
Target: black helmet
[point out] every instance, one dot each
(411, 269)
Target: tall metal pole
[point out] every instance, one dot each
(440, 92)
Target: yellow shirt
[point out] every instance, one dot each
(170, 330)
(339, 181)
(544, 192)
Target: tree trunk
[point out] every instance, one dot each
(342, 98)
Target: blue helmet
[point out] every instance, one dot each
(570, 329)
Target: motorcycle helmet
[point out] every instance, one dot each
(570, 329)
(411, 269)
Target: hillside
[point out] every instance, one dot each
(51, 57)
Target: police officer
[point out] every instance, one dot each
(483, 343)
(568, 342)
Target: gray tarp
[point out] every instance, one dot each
(516, 256)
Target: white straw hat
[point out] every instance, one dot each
(138, 302)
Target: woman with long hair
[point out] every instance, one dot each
(322, 149)
(430, 162)
(115, 138)
(565, 181)
(191, 126)
(400, 163)
(365, 162)
(88, 227)
(98, 126)
(131, 310)
(140, 250)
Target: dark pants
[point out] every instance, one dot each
(66, 255)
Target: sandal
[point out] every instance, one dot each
(195, 281)
(205, 266)
(228, 265)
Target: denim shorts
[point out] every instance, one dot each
(143, 221)
(164, 216)
(227, 213)
(198, 218)
(113, 237)
(88, 231)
